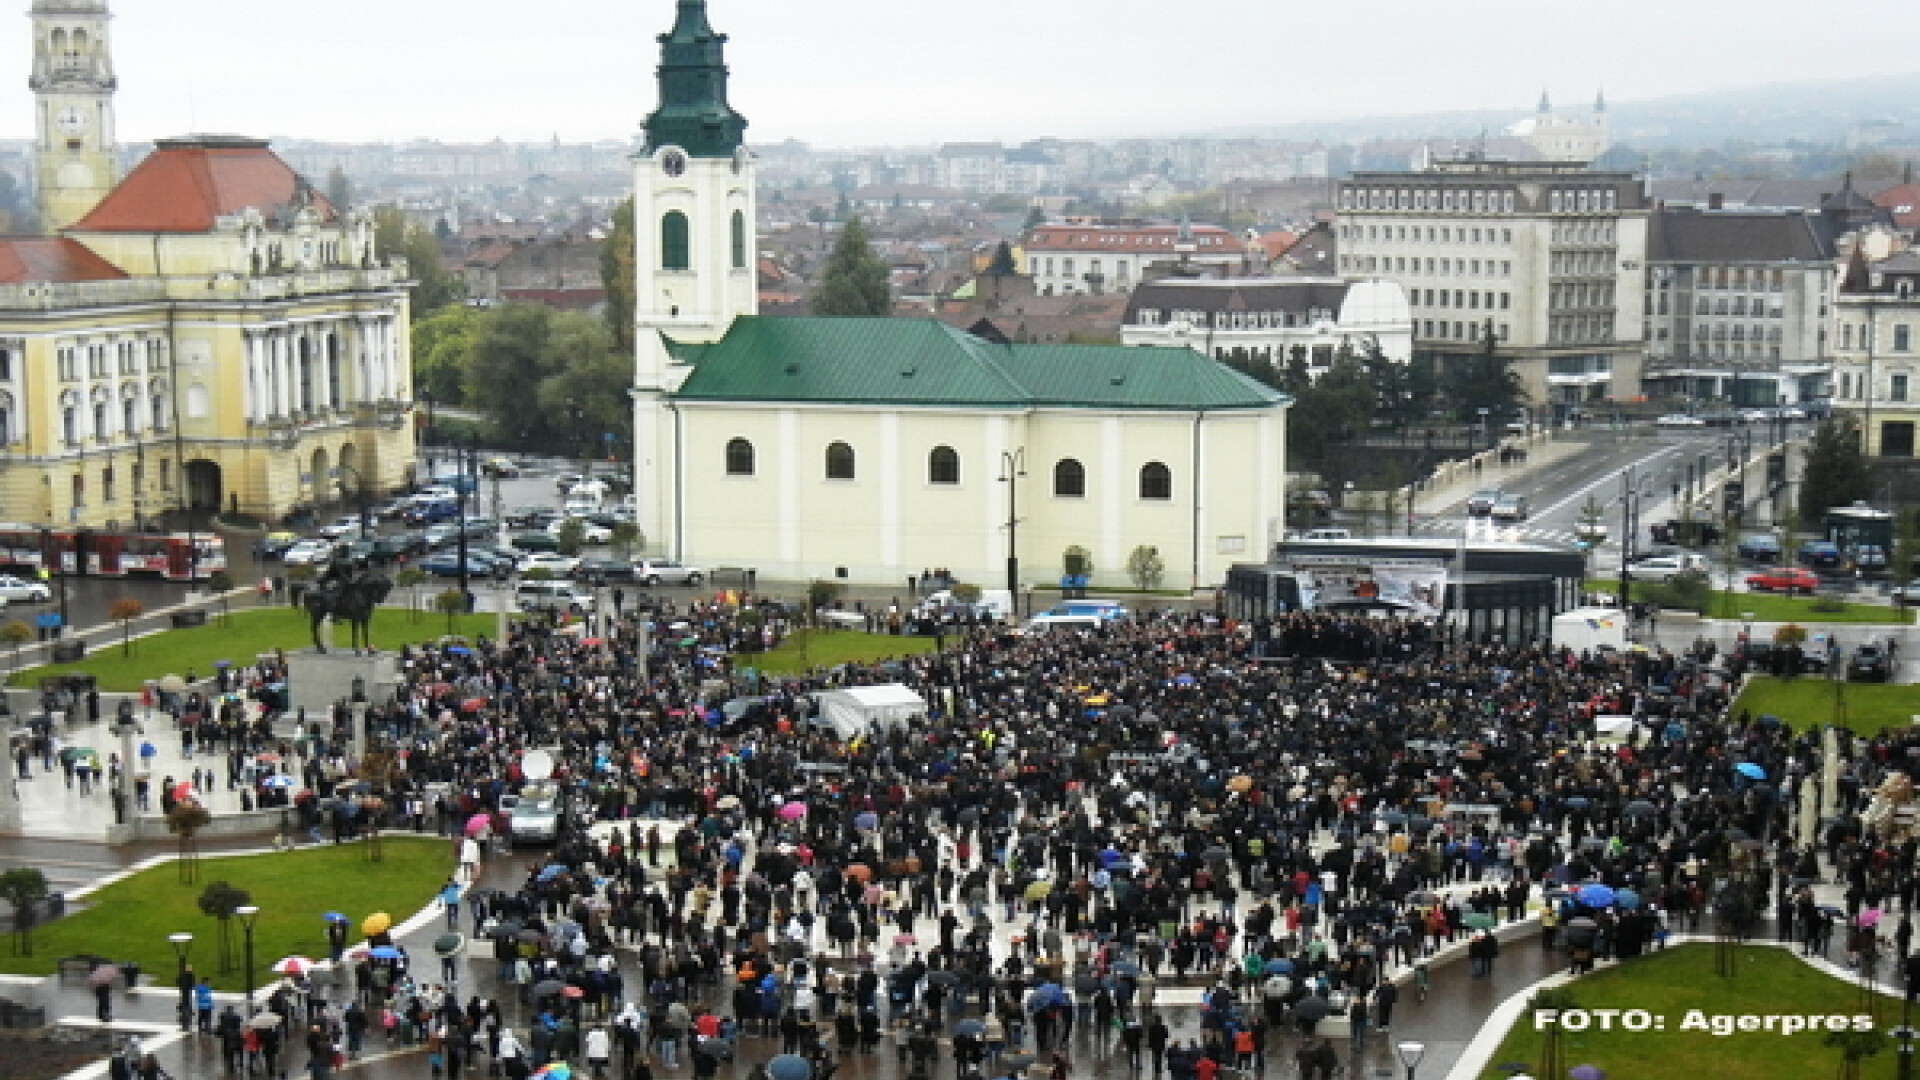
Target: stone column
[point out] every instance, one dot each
(10, 817)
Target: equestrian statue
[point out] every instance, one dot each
(347, 593)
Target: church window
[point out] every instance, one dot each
(839, 461)
(129, 415)
(100, 428)
(739, 240)
(739, 457)
(673, 241)
(943, 466)
(1156, 481)
(1069, 479)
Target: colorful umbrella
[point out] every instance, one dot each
(334, 916)
(278, 780)
(1240, 783)
(794, 811)
(1478, 920)
(860, 872)
(183, 791)
(293, 965)
(377, 923)
(1751, 771)
(558, 1070)
(1595, 896)
(478, 824)
(385, 952)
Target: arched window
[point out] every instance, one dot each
(739, 457)
(673, 241)
(839, 461)
(739, 240)
(943, 466)
(1156, 481)
(1069, 479)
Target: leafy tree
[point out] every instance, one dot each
(616, 276)
(966, 593)
(1296, 377)
(855, 282)
(626, 537)
(16, 633)
(573, 536)
(1036, 217)
(1002, 264)
(124, 611)
(220, 583)
(1484, 380)
(434, 285)
(410, 579)
(1145, 566)
(219, 900)
(1835, 472)
(821, 594)
(450, 602)
(185, 819)
(1854, 1047)
(1077, 561)
(1337, 405)
(23, 888)
(441, 343)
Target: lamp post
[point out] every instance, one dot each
(248, 913)
(358, 705)
(125, 726)
(1410, 1054)
(183, 944)
(1013, 466)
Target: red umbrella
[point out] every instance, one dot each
(477, 824)
(474, 704)
(573, 992)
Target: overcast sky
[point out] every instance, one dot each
(876, 72)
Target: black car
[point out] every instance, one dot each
(1869, 663)
(609, 571)
(395, 546)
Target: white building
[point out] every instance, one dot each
(869, 450)
(1237, 320)
(1876, 356)
(1549, 255)
(1079, 257)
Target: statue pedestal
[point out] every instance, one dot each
(318, 681)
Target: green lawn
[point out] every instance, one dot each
(1680, 988)
(249, 631)
(806, 650)
(1774, 607)
(130, 920)
(1811, 701)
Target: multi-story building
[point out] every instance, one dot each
(1566, 134)
(1876, 357)
(1097, 257)
(209, 334)
(1547, 256)
(1261, 321)
(1737, 305)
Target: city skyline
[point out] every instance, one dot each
(584, 71)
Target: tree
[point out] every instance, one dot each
(410, 579)
(15, 633)
(1003, 264)
(441, 343)
(573, 535)
(23, 888)
(124, 611)
(450, 602)
(626, 537)
(1338, 405)
(1835, 468)
(1145, 567)
(1484, 380)
(185, 819)
(1854, 1047)
(1077, 562)
(434, 285)
(855, 282)
(339, 188)
(616, 276)
(821, 594)
(220, 900)
(220, 583)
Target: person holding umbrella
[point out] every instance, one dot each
(102, 981)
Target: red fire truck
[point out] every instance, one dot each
(99, 553)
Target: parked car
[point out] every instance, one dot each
(274, 545)
(1480, 503)
(566, 596)
(655, 572)
(21, 591)
(391, 547)
(1510, 508)
(1820, 555)
(502, 467)
(431, 511)
(308, 552)
(1760, 547)
(552, 562)
(447, 564)
(589, 532)
(536, 541)
(1869, 663)
(341, 526)
(1661, 567)
(1679, 420)
(1907, 594)
(1787, 579)
(604, 571)
(530, 517)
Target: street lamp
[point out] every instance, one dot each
(1013, 466)
(183, 944)
(248, 914)
(358, 704)
(1410, 1054)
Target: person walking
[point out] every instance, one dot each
(1384, 998)
(1157, 1036)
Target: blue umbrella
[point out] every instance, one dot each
(1183, 680)
(1579, 802)
(970, 1027)
(1751, 771)
(866, 819)
(1594, 895)
(551, 871)
(789, 1067)
(459, 650)
(384, 952)
(1279, 967)
(334, 916)
(1627, 899)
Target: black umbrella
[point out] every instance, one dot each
(942, 978)
(1640, 808)
(506, 928)
(1016, 1062)
(1313, 1009)
(528, 936)
(448, 944)
(972, 1028)
(548, 988)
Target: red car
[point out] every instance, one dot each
(1788, 579)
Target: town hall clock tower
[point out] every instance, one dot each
(694, 252)
(73, 84)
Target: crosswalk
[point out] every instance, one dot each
(1487, 529)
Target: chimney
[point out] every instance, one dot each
(1716, 201)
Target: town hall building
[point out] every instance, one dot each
(869, 450)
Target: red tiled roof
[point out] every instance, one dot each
(1150, 238)
(187, 183)
(1903, 202)
(57, 260)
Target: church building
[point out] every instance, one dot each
(208, 333)
(869, 450)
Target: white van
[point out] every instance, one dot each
(553, 596)
(1067, 620)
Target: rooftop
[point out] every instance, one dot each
(186, 185)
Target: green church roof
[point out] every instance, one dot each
(919, 362)
(693, 113)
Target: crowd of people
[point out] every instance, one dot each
(1289, 816)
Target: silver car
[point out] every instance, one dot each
(666, 572)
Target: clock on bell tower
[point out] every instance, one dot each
(73, 84)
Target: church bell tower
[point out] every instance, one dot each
(694, 266)
(73, 83)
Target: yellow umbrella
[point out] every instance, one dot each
(377, 923)
(1099, 699)
(1240, 783)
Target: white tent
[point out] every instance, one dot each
(858, 710)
